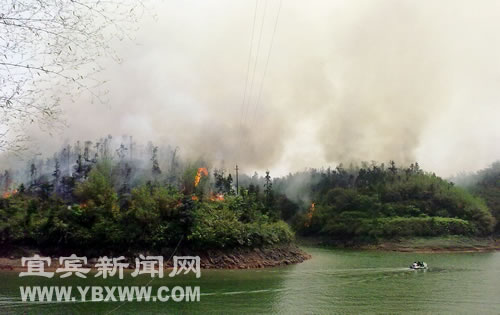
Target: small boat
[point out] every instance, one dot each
(418, 265)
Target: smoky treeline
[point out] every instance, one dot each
(132, 164)
(115, 195)
(471, 179)
(118, 195)
(484, 183)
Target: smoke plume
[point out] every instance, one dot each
(346, 81)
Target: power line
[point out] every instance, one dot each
(242, 107)
(256, 61)
(267, 62)
(248, 93)
(248, 63)
(259, 94)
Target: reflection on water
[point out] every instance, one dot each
(332, 281)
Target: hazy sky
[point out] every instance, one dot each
(346, 81)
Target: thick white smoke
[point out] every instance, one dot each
(347, 81)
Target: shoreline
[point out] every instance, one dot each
(447, 244)
(288, 254)
(236, 258)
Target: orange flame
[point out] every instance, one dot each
(309, 215)
(217, 197)
(8, 194)
(201, 171)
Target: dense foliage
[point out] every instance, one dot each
(375, 201)
(151, 216)
(127, 197)
(485, 184)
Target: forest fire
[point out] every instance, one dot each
(201, 171)
(217, 197)
(8, 194)
(309, 215)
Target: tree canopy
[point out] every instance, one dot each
(49, 54)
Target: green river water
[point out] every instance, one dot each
(333, 281)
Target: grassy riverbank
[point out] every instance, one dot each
(450, 243)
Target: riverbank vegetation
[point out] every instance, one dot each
(486, 185)
(121, 205)
(378, 202)
(122, 198)
(430, 244)
(448, 243)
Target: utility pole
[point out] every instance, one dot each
(237, 190)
